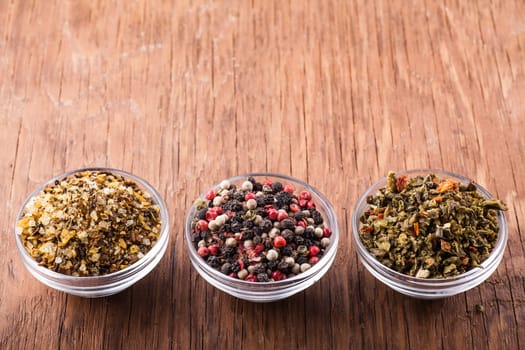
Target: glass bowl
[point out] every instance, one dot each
(272, 290)
(111, 283)
(428, 288)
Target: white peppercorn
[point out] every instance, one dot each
(251, 203)
(272, 255)
(242, 274)
(247, 186)
(231, 242)
(305, 267)
(325, 242)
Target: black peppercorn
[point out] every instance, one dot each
(266, 225)
(226, 268)
(309, 233)
(286, 250)
(287, 224)
(201, 214)
(236, 267)
(272, 265)
(213, 261)
(262, 277)
(316, 215)
(277, 187)
(299, 216)
(301, 259)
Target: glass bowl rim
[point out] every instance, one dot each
(124, 273)
(392, 274)
(330, 217)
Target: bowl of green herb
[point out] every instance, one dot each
(429, 233)
(92, 232)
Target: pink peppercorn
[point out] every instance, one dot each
(313, 260)
(241, 263)
(282, 214)
(251, 278)
(267, 183)
(213, 249)
(301, 223)
(278, 275)
(249, 195)
(314, 250)
(211, 214)
(272, 214)
(305, 195)
(210, 195)
(294, 208)
(201, 225)
(288, 188)
(310, 205)
(259, 248)
(327, 232)
(279, 242)
(203, 251)
(303, 202)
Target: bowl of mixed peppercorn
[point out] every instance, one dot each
(262, 237)
(92, 232)
(429, 233)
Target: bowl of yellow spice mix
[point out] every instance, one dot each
(429, 233)
(92, 232)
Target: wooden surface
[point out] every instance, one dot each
(335, 93)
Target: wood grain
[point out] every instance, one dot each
(335, 93)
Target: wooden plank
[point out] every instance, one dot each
(335, 93)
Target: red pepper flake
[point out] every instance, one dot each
(401, 182)
(445, 246)
(447, 185)
(416, 228)
(367, 229)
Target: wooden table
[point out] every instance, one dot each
(336, 93)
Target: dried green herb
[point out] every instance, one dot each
(89, 224)
(429, 227)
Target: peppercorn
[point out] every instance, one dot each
(305, 267)
(254, 232)
(277, 186)
(309, 233)
(316, 215)
(272, 255)
(201, 214)
(279, 242)
(286, 250)
(213, 261)
(262, 277)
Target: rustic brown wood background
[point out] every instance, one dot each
(185, 93)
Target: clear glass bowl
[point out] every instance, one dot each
(428, 288)
(112, 283)
(272, 290)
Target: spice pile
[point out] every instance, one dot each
(89, 224)
(429, 227)
(259, 232)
